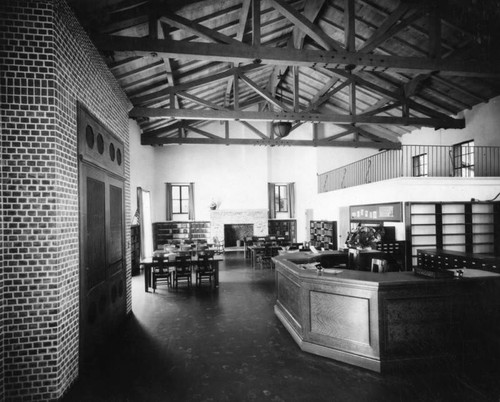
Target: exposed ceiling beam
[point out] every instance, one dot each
(311, 11)
(190, 114)
(197, 29)
(254, 130)
(394, 95)
(286, 56)
(326, 95)
(202, 132)
(389, 27)
(269, 142)
(266, 95)
(302, 23)
(245, 11)
(200, 101)
(350, 31)
(195, 83)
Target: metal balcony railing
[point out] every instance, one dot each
(440, 161)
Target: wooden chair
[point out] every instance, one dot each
(378, 265)
(205, 269)
(183, 269)
(160, 272)
(264, 259)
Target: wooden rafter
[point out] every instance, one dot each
(269, 142)
(346, 46)
(311, 11)
(196, 83)
(350, 34)
(305, 25)
(292, 116)
(281, 56)
(197, 29)
(245, 10)
(266, 95)
(391, 25)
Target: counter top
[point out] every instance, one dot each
(295, 261)
(385, 321)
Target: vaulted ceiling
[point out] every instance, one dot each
(368, 71)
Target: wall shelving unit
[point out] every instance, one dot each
(466, 227)
(323, 234)
(283, 227)
(135, 248)
(176, 231)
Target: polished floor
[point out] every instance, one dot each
(227, 345)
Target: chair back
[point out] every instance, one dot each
(378, 265)
(159, 265)
(205, 261)
(268, 250)
(183, 263)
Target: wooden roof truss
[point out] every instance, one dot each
(373, 71)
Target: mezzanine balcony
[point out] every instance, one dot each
(414, 161)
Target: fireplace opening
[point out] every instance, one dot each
(235, 232)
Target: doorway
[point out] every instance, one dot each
(102, 237)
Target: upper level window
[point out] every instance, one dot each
(180, 198)
(420, 166)
(463, 159)
(281, 197)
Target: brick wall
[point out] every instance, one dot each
(49, 65)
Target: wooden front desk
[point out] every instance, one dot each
(385, 321)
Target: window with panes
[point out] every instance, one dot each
(281, 198)
(180, 199)
(463, 159)
(420, 166)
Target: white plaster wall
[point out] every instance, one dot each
(297, 165)
(142, 166)
(234, 176)
(482, 126)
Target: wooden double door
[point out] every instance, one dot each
(102, 260)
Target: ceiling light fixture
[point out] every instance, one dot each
(282, 128)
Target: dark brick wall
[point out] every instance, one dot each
(48, 65)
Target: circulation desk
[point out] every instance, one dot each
(386, 321)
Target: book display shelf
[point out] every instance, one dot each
(323, 234)
(178, 232)
(283, 227)
(463, 227)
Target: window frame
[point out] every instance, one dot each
(420, 165)
(180, 200)
(279, 189)
(462, 166)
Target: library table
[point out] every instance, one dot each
(148, 262)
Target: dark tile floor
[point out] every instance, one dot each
(227, 345)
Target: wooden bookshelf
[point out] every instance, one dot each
(323, 234)
(465, 227)
(178, 232)
(135, 248)
(283, 227)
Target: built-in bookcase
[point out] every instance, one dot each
(469, 227)
(284, 227)
(135, 248)
(323, 234)
(176, 231)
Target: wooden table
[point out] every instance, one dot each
(148, 263)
